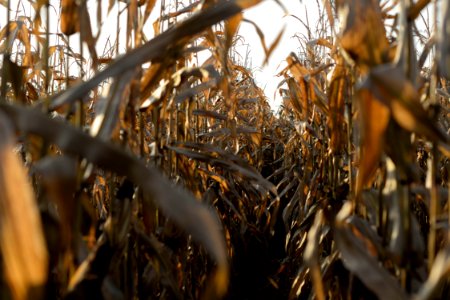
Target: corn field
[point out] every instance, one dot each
(138, 167)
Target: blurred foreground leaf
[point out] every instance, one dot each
(357, 259)
(22, 240)
(444, 63)
(363, 35)
(375, 119)
(439, 272)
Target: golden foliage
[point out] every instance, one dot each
(164, 173)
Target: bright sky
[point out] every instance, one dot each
(271, 19)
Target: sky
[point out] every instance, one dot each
(271, 19)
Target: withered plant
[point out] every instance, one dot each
(154, 168)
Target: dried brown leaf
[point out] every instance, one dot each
(311, 255)
(375, 119)
(210, 114)
(301, 73)
(444, 41)
(70, 20)
(218, 157)
(414, 10)
(106, 119)
(337, 94)
(357, 259)
(247, 3)
(274, 45)
(389, 84)
(86, 33)
(397, 215)
(299, 99)
(329, 11)
(363, 35)
(231, 28)
(22, 242)
(148, 9)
